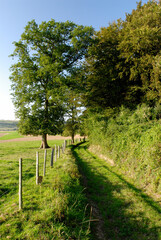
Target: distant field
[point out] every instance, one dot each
(8, 125)
(10, 135)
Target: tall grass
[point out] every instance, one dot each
(133, 140)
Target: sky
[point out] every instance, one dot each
(15, 14)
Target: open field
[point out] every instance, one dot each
(56, 209)
(14, 136)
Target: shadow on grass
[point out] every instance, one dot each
(7, 190)
(119, 222)
(28, 176)
(137, 191)
(33, 206)
(4, 190)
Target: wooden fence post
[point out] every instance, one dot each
(63, 148)
(20, 183)
(45, 155)
(58, 151)
(55, 153)
(37, 168)
(52, 155)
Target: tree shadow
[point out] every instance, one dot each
(137, 191)
(119, 223)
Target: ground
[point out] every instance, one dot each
(34, 138)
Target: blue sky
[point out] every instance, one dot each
(15, 14)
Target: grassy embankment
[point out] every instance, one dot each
(132, 139)
(125, 211)
(56, 209)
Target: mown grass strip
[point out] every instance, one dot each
(127, 212)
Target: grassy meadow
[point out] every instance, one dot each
(55, 209)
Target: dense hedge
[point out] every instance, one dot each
(133, 140)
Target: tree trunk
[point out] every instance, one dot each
(72, 137)
(44, 143)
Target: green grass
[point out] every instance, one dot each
(56, 209)
(128, 212)
(11, 135)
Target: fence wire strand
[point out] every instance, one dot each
(29, 163)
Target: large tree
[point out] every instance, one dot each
(46, 55)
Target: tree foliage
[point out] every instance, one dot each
(46, 54)
(104, 86)
(122, 67)
(140, 44)
(124, 64)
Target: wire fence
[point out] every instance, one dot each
(29, 171)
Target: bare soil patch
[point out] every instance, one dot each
(35, 138)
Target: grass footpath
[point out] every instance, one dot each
(121, 211)
(57, 209)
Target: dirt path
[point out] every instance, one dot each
(33, 138)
